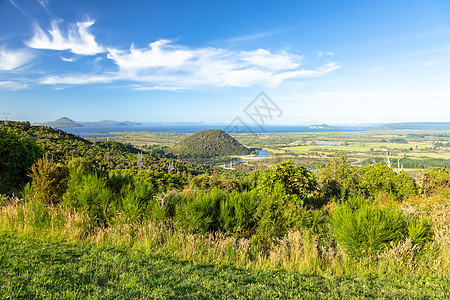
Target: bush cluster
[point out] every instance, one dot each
(355, 208)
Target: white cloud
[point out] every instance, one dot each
(265, 59)
(160, 54)
(326, 53)
(153, 88)
(78, 79)
(13, 59)
(67, 59)
(12, 85)
(77, 39)
(165, 64)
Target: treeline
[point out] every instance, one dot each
(412, 163)
(22, 144)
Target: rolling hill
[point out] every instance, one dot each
(210, 143)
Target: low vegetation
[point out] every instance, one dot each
(340, 221)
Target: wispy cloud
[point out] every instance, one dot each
(67, 59)
(168, 65)
(12, 85)
(43, 3)
(75, 79)
(16, 5)
(13, 59)
(76, 38)
(160, 54)
(164, 65)
(248, 37)
(320, 54)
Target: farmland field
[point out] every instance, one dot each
(311, 148)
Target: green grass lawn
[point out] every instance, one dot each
(33, 268)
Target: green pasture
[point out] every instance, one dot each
(356, 147)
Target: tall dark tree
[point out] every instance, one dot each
(17, 155)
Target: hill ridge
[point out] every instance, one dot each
(208, 143)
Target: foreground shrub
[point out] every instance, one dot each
(17, 155)
(295, 180)
(199, 212)
(379, 179)
(339, 179)
(49, 181)
(89, 194)
(362, 228)
(435, 179)
(237, 213)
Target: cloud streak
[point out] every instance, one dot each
(77, 39)
(12, 85)
(167, 66)
(13, 59)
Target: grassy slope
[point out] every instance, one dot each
(31, 268)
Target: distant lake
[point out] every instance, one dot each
(261, 154)
(99, 131)
(327, 143)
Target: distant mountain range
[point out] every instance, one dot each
(417, 126)
(65, 122)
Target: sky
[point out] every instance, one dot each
(334, 62)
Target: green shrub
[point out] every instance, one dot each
(405, 186)
(162, 206)
(131, 206)
(434, 179)
(199, 212)
(279, 212)
(420, 231)
(49, 181)
(339, 179)
(295, 180)
(206, 182)
(17, 155)
(237, 213)
(380, 179)
(362, 228)
(89, 194)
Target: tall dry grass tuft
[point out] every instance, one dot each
(398, 259)
(35, 218)
(441, 243)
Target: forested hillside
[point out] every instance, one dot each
(22, 144)
(209, 143)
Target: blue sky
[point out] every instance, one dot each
(336, 62)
